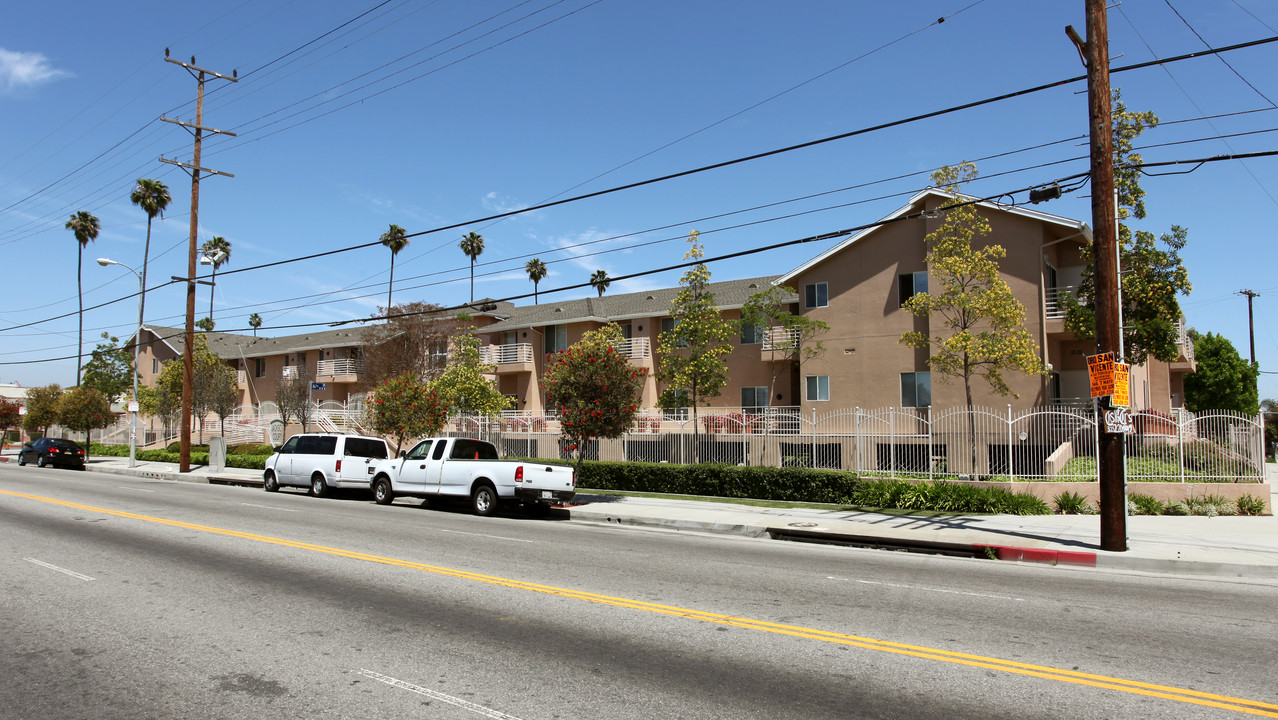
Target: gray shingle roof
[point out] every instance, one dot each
(648, 303)
(230, 345)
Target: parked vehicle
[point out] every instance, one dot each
(322, 461)
(52, 451)
(466, 468)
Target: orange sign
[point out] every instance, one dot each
(1121, 396)
(1100, 371)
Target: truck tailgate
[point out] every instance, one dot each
(546, 477)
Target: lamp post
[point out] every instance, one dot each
(137, 342)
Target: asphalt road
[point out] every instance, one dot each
(133, 598)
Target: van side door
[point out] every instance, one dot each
(359, 457)
(284, 463)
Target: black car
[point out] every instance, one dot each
(52, 451)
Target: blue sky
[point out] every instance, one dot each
(427, 114)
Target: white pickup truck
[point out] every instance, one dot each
(461, 467)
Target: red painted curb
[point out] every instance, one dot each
(1055, 557)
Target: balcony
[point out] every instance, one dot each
(290, 371)
(1186, 362)
(634, 348)
(778, 338)
(340, 370)
(509, 358)
(1055, 301)
(241, 378)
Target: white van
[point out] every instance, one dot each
(322, 461)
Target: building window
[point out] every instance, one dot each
(259, 367)
(911, 284)
(816, 295)
(750, 335)
(556, 338)
(818, 387)
(916, 389)
(754, 399)
(155, 366)
(668, 325)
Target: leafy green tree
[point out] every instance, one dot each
(798, 339)
(209, 379)
(85, 227)
(42, 408)
(462, 387)
(1153, 274)
(82, 409)
(255, 322)
(690, 354)
(219, 249)
(593, 389)
(153, 197)
(10, 417)
(405, 408)
(983, 325)
(536, 272)
(472, 244)
(164, 401)
(1224, 380)
(395, 239)
(110, 368)
(224, 394)
(600, 281)
(205, 324)
(1269, 411)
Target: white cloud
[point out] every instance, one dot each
(20, 70)
(497, 203)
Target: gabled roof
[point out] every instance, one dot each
(230, 345)
(912, 205)
(728, 295)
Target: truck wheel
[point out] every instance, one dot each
(382, 491)
(319, 488)
(483, 500)
(537, 510)
(270, 484)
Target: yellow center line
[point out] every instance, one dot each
(1225, 702)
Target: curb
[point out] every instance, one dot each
(1038, 555)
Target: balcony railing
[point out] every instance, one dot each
(1182, 339)
(290, 371)
(1055, 301)
(241, 377)
(506, 354)
(341, 366)
(634, 348)
(780, 338)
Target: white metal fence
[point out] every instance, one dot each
(1054, 442)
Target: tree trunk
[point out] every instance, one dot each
(79, 291)
(390, 287)
(146, 255)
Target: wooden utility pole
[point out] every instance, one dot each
(1095, 51)
(197, 129)
(1251, 325)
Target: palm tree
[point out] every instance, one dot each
(153, 197)
(255, 322)
(211, 249)
(536, 272)
(600, 281)
(395, 239)
(86, 228)
(473, 245)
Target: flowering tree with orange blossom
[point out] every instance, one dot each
(594, 389)
(405, 408)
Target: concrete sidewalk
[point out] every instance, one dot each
(1242, 547)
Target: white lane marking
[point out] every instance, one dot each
(929, 589)
(494, 537)
(464, 704)
(268, 507)
(126, 487)
(72, 573)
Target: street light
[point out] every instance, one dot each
(137, 342)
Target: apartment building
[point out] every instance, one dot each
(857, 287)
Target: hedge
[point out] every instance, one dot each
(198, 457)
(795, 484)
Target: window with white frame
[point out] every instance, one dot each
(754, 399)
(910, 284)
(259, 367)
(816, 295)
(818, 388)
(916, 389)
(556, 338)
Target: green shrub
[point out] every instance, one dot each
(250, 449)
(1248, 505)
(1145, 504)
(1070, 503)
(176, 447)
